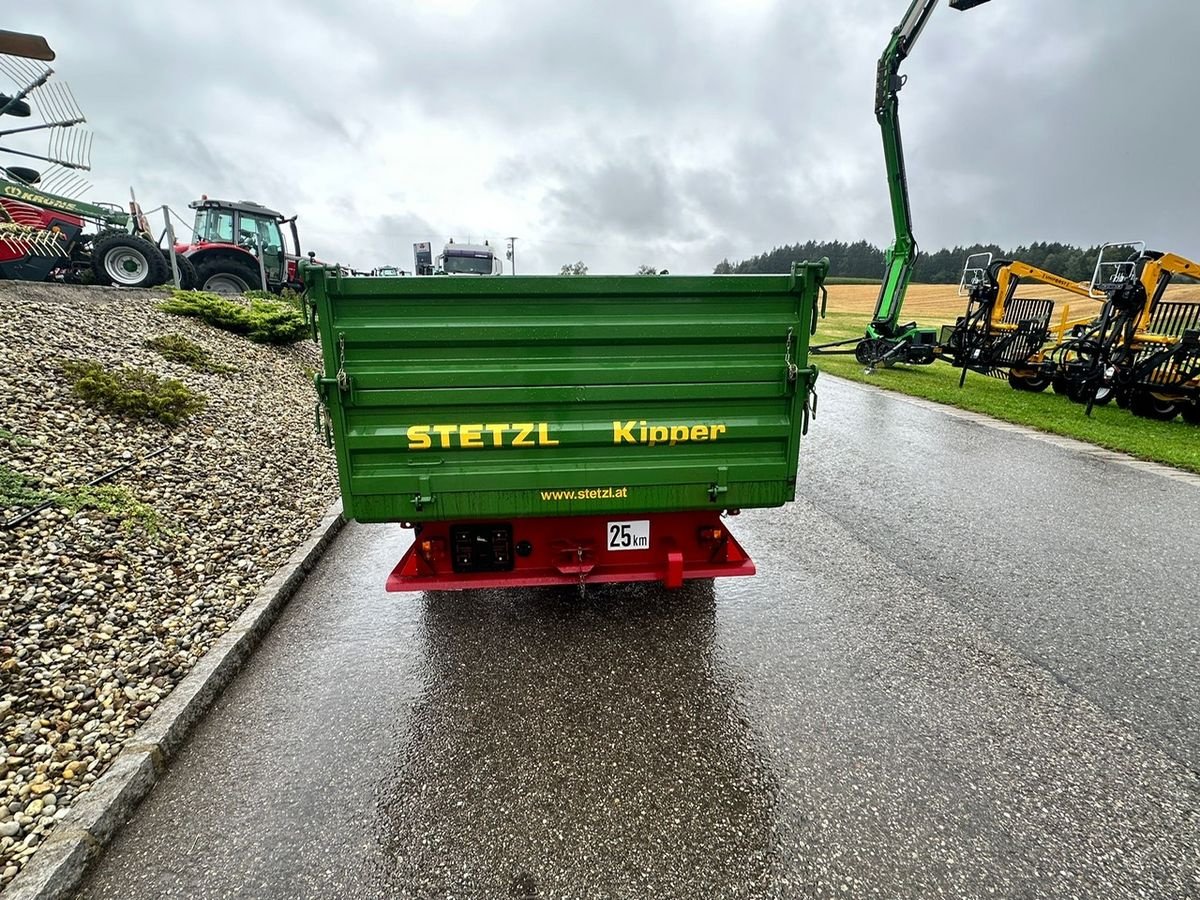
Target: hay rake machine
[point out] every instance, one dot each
(46, 230)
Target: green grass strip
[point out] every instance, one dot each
(1173, 443)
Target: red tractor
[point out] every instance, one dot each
(239, 246)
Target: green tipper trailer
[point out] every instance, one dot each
(559, 429)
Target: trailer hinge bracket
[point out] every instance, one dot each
(819, 310)
(310, 314)
(424, 495)
(719, 487)
(810, 401)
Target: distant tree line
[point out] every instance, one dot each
(864, 260)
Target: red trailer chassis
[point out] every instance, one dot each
(569, 550)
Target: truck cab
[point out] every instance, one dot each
(469, 259)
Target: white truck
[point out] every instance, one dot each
(457, 259)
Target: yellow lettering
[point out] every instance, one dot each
(524, 429)
(470, 435)
(418, 437)
(537, 434)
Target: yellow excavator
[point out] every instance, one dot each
(1145, 348)
(1007, 336)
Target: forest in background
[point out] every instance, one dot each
(864, 260)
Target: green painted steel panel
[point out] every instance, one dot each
(504, 397)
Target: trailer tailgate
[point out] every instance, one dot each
(497, 397)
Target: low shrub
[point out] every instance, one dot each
(114, 502)
(264, 320)
(133, 392)
(177, 348)
(17, 489)
(287, 295)
(14, 439)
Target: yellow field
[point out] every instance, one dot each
(931, 304)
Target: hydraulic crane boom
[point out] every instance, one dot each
(902, 253)
(886, 339)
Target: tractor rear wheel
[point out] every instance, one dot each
(227, 276)
(127, 260)
(1147, 406)
(187, 272)
(1033, 383)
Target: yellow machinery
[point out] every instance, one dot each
(1002, 334)
(1145, 348)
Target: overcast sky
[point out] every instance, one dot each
(621, 133)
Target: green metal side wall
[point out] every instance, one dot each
(569, 356)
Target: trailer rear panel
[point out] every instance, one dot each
(533, 396)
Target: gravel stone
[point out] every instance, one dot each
(99, 621)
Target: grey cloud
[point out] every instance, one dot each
(1024, 120)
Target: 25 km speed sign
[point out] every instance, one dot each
(629, 535)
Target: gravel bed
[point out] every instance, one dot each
(98, 619)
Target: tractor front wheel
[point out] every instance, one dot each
(227, 276)
(127, 260)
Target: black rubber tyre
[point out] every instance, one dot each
(1061, 385)
(187, 272)
(1081, 392)
(1034, 384)
(1147, 406)
(127, 260)
(1191, 412)
(227, 276)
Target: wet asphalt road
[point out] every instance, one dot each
(969, 667)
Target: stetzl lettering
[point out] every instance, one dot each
(478, 436)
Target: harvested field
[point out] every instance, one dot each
(932, 304)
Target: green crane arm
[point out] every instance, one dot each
(900, 256)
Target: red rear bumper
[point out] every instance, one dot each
(572, 550)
